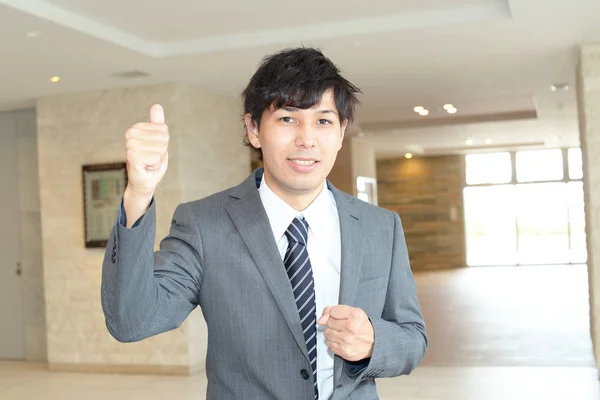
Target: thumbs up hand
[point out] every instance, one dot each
(147, 146)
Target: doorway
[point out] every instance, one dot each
(12, 327)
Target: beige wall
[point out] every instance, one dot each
(588, 91)
(205, 155)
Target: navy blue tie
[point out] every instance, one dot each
(299, 270)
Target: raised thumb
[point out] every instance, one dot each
(157, 114)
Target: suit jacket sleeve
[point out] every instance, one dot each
(144, 292)
(400, 334)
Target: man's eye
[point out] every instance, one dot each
(324, 122)
(286, 119)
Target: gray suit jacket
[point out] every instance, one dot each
(220, 254)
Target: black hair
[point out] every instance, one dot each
(297, 78)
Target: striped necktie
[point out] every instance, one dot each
(299, 270)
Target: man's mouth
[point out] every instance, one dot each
(303, 162)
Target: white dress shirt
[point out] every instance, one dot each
(324, 251)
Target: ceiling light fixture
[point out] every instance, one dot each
(418, 109)
(55, 79)
(450, 109)
(408, 155)
(424, 112)
(469, 142)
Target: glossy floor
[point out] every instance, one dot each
(25, 381)
(495, 334)
(507, 316)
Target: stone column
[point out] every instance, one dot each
(588, 94)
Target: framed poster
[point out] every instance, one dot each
(103, 187)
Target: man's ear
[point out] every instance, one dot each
(344, 126)
(252, 131)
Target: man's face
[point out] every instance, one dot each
(299, 146)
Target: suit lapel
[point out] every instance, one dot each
(252, 223)
(351, 240)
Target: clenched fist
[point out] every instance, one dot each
(147, 146)
(349, 332)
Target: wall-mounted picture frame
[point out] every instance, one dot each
(103, 187)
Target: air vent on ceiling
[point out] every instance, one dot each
(131, 74)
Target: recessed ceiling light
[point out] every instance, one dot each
(448, 107)
(424, 112)
(469, 142)
(418, 109)
(451, 110)
(55, 79)
(488, 141)
(408, 155)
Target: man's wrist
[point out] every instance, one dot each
(135, 205)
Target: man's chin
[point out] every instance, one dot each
(306, 185)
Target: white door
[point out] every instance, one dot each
(12, 327)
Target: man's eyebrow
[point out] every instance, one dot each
(294, 109)
(327, 112)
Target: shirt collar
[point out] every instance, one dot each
(281, 214)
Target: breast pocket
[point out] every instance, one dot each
(372, 285)
(370, 296)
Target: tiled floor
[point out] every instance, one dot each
(507, 316)
(23, 381)
(495, 334)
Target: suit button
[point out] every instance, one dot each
(304, 374)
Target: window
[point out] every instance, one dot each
(488, 168)
(490, 225)
(578, 243)
(542, 223)
(532, 216)
(539, 165)
(575, 164)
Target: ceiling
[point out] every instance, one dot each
(494, 60)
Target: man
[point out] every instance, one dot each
(306, 291)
